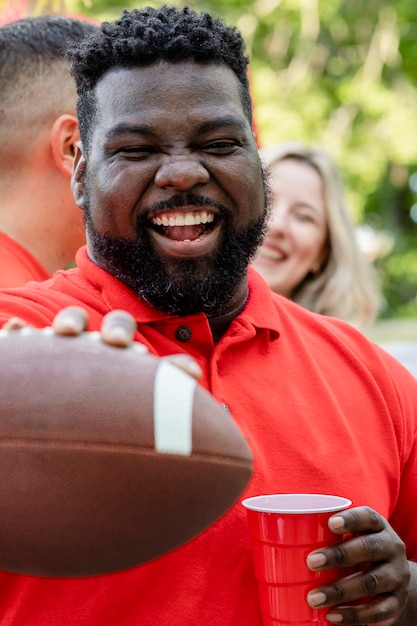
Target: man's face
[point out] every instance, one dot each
(172, 188)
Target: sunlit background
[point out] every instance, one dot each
(340, 73)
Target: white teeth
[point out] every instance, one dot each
(184, 219)
(269, 254)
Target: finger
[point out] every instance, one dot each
(378, 541)
(362, 549)
(14, 323)
(187, 364)
(383, 579)
(118, 328)
(384, 545)
(383, 611)
(70, 321)
(361, 519)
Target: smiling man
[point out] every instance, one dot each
(188, 219)
(175, 201)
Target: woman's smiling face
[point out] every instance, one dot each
(296, 241)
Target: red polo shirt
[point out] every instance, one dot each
(323, 409)
(17, 265)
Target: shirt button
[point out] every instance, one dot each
(183, 333)
(225, 408)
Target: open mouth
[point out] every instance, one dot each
(272, 254)
(186, 226)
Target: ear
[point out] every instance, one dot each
(64, 137)
(78, 175)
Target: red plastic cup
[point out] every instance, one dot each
(284, 529)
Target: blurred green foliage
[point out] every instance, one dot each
(343, 75)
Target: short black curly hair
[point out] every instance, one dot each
(142, 37)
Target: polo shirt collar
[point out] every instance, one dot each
(260, 310)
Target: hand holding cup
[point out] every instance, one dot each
(285, 529)
(378, 592)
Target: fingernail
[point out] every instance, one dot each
(193, 367)
(334, 617)
(316, 560)
(14, 323)
(316, 598)
(118, 336)
(67, 326)
(337, 522)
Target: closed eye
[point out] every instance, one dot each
(305, 217)
(220, 147)
(303, 212)
(136, 152)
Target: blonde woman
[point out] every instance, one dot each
(310, 253)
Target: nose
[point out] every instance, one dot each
(277, 222)
(181, 172)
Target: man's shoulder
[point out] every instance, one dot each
(338, 342)
(17, 264)
(36, 303)
(288, 316)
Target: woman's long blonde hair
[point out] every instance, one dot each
(347, 285)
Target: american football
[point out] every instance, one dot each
(109, 457)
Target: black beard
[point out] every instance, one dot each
(180, 286)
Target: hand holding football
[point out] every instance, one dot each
(109, 457)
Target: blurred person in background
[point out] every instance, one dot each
(311, 254)
(41, 227)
